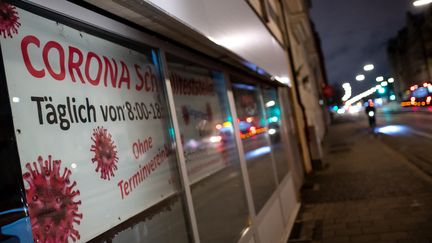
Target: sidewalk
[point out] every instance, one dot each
(368, 193)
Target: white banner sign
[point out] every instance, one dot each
(90, 125)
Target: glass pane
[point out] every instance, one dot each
(280, 147)
(295, 149)
(252, 124)
(210, 150)
(93, 135)
(165, 223)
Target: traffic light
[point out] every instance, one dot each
(381, 90)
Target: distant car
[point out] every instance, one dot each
(418, 95)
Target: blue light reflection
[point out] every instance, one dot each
(393, 129)
(257, 152)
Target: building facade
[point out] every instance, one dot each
(153, 121)
(410, 53)
(290, 23)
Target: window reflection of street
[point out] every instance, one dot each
(210, 151)
(253, 131)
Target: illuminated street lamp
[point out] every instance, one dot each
(419, 3)
(368, 67)
(390, 80)
(360, 77)
(348, 91)
(379, 79)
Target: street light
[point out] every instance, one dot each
(390, 80)
(360, 77)
(418, 3)
(348, 91)
(368, 67)
(379, 79)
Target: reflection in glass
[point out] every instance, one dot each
(165, 220)
(210, 151)
(164, 225)
(273, 116)
(253, 132)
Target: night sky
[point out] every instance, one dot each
(354, 33)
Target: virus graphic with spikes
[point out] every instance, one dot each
(8, 20)
(105, 152)
(51, 201)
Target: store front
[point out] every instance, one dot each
(115, 136)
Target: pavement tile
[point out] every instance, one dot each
(364, 238)
(369, 193)
(376, 229)
(341, 239)
(394, 236)
(349, 232)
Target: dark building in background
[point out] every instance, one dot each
(410, 53)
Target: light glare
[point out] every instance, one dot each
(271, 131)
(283, 80)
(360, 77)
(393, 129)
(341, 111)
(360, 96)
(368, 67)
(379, 79)
(421, 2)
(348, 91)
(215, 139)
(270, 103)
(274, 119)
(257, 152)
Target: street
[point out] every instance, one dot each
(376, 187)
(410, 133)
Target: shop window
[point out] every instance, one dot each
(93, 134)
(212, 162)
(280, 147)
(254, 135)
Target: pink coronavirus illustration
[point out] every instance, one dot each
(8, 20)
(105, 152)
(51, 201)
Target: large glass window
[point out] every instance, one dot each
(252, 122)
(294, 146)
(275, 131)
(93, 135)
(210, 151)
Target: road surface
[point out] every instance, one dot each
(408, 132)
